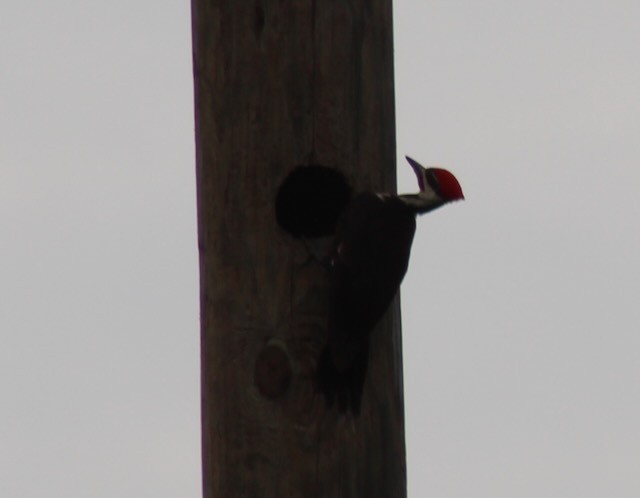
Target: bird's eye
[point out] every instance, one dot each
(432, 180)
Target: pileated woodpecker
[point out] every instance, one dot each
(368, 261)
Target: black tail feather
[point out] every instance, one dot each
(345, 387)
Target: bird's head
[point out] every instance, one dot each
(436, 183)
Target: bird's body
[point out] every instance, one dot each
(375, 231)
(368, 260)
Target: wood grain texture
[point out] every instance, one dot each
(280, 83)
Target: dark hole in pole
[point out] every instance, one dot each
(310, 200)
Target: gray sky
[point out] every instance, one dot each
(520, 315)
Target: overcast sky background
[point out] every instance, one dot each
(521, 314)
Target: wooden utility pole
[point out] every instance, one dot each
(280, 83)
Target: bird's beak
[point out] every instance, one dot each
(417, 167)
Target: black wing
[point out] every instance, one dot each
(368, 262)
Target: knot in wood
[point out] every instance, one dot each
(272, 372)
